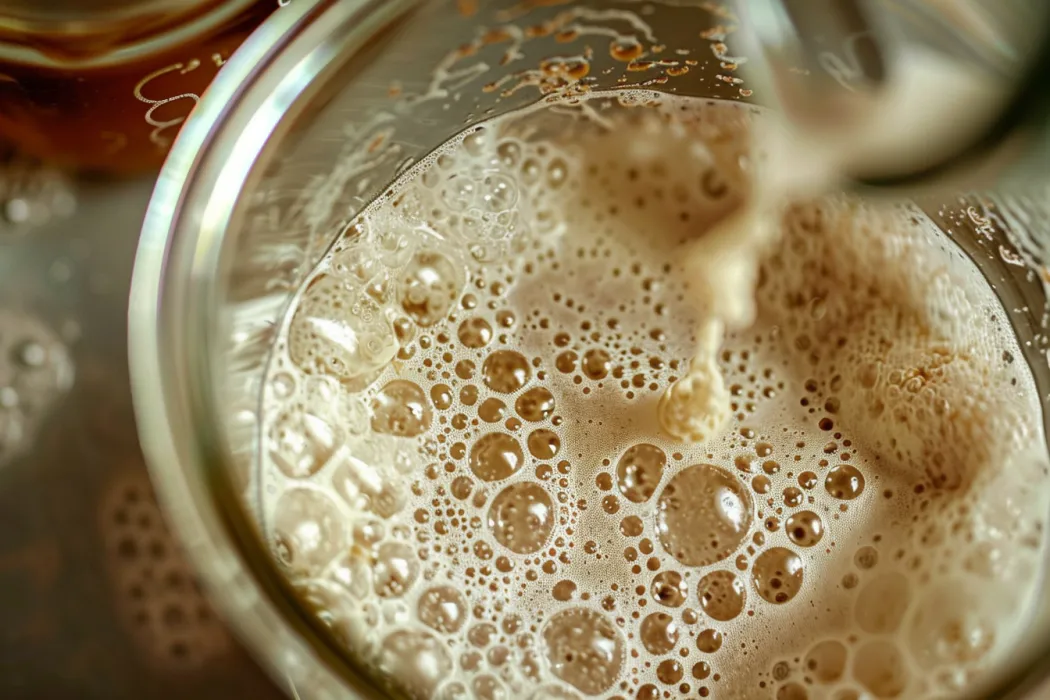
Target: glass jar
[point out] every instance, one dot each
(301, 133)
(104, 86)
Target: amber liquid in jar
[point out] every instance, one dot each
(114, 103)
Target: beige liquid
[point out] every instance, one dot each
(465, 475)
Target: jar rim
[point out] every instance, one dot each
(170, 331)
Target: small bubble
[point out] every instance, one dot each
(566, 362)
(792, 691)
(804, 528)
(631, 526)
(505, 318)
(465, 369)
(793, 497)
(441, 396)
(659, 633)
(495, 456)
(443, 609)
(395, 569)
(468, 395)
(866, 557)
(880, 667)
(596, 364)
(701, 670)
(639, 471)
(669, 671)
(461, 487)
(505, 371)
(309, 530)
(564, 591)
(536, 404)
(722, 595)
(703, 515)
(826, 661)
(844, 482)
(416, 659)
(777, 575)
(709, 641)
(492, 410)
(429, 286)
(761, 484)
(400, 408)
(668, 588)
(521, 517)
(584, 649)
(544, 443)
(475, 333)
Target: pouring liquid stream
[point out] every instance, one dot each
(902, 130)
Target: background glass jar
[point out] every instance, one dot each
(105, 85)
(296, 138)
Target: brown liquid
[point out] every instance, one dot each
(121, 117)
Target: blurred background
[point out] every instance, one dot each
(96, 600)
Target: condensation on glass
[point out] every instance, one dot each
(104, 85)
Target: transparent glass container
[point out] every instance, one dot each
(307, 125)
(104, 85)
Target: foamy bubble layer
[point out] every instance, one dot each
(464, 470)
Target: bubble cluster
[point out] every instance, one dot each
(472, 474)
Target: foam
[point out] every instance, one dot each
(471, 386)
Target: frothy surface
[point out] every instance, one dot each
(465, 475)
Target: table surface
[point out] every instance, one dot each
(95, 598)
